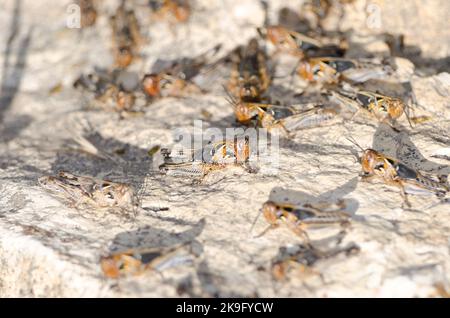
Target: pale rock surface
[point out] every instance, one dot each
(48, 249)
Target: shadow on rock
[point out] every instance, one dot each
(399, 145)
(151, 237)
(279, 194)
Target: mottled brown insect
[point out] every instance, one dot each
(140, 260)
(289, 41)
(214, 156)
(301, 258)
(84, 192)
(289, 118)
(175, 10)
(126, 36)
(108, 94)
(393, 172)
(298, 44)
(88, 13)
(249, 77)
(331, 70)
(175, 79)
(298, 217)
(383, 108)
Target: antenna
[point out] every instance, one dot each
(354, 142)
(254, 222)
(230, 98)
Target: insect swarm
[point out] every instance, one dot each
(303, 257)
(137, 261)
(299, 217)
(85, 192)
(126, 36)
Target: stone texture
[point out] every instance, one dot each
(48, 249)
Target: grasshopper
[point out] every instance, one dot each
(175, 79)
(215, 156)
(126, 36)
(376, 165)
(84, 192)
(298, 44)
(249, 78)
(393, 172)
(288, 118)
(137, 261)
(88, 13)
(383, 108)
(177, 10)
(331, 70)
(302, 257)
(299, 217)
(107, 93)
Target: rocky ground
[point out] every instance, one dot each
(50, 249)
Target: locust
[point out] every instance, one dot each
(214, 156)
(288, 118)
(376, 165)
(88, 13)
(331, 70)
(383, 108)
(108, 94)
(322, 9)
(88, 192)
(137, 261)
(250, 78)
(298, 44)
(126, 36)
(175, 78)
(303, 257)
(299, 217)
(174, 10)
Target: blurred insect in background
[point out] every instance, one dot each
(137, 261)
(83, 192)
(297, 44)
(109, 94)
(331, 70)
(249, 76)
(175, 79)
(126, 36)
(174, 10)
(302, 257)
(299, 217)
(383, 108)
(88, 13)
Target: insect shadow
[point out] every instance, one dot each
(399, 145)
(11, 78)
(279, 194)
(152, 237)
(116, 160)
